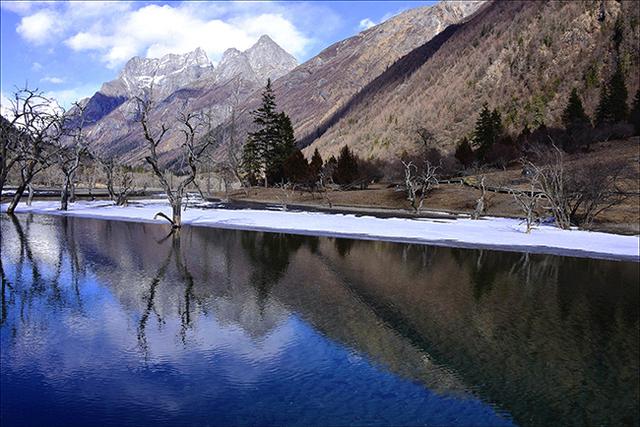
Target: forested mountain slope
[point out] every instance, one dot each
(523, 58)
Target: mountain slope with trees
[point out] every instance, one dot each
(522, 59)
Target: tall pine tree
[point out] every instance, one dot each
(574, 115)
(315, 167)
(346, 168)
(271, 143)
(488, 130)
(251, 162)
(618, 95)
(613, 107)
(284, 146)
(634, 115)
(464, 153)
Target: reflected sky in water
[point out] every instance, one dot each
(118, 323)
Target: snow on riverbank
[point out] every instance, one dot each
(490, 232)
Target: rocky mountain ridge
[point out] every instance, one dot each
(188, 81)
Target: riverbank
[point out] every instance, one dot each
(453, 230)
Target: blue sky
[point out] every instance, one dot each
(68, 49)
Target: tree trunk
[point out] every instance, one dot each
(3, 179)
(177, 212)
(30, 198)
(16, 198)
(64, 196)
(72, 195)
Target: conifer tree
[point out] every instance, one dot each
(296, 168)
(634, 116)
(346, 168)
(266, 136)
(488, 130)
(464, 153)
(574, 114)
(613, 107)
(251, 161)
(618, 94)
(271, 143)
(315, 166)
(283, 146)
(602, 110)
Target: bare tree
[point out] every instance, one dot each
(192, 147)
(234, 145)
(38, 121)
(71, 153)
(9, 153)
(88, 174)
(119, 181)
(225, 151)
(480, 202)
(576, 195)
(419, 182)
(285, 193)
(528, 202)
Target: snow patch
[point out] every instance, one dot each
(489, 232)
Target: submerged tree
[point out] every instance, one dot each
(38, 121)
(72, 152)
(119, 181)
(191, 150)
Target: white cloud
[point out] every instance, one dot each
(19, 7)
(66, 97)
(40, 27)
(365, 24)
(116, 31)
(5, 106)
(52, 80)
(36, 66)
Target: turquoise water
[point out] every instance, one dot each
(118, 323)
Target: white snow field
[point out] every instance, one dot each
(487, 233)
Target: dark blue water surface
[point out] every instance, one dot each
(116, 323)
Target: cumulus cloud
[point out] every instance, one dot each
(66, 97)
(116, 31)
(52, 80)
(39, 27)
(365, 24)
(5, 106)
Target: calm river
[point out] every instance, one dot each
(116, 323)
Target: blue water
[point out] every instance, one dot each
(113, 323)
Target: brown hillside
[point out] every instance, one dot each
(315, 90)
(522, 57)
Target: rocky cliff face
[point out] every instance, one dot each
(167, 74)
(263, 60)
(188, 81)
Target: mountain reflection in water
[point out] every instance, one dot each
(117, 323)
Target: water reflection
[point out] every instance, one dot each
(122, 323)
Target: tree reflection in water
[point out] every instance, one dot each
(545, 339)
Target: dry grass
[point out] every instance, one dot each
(623, 218)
